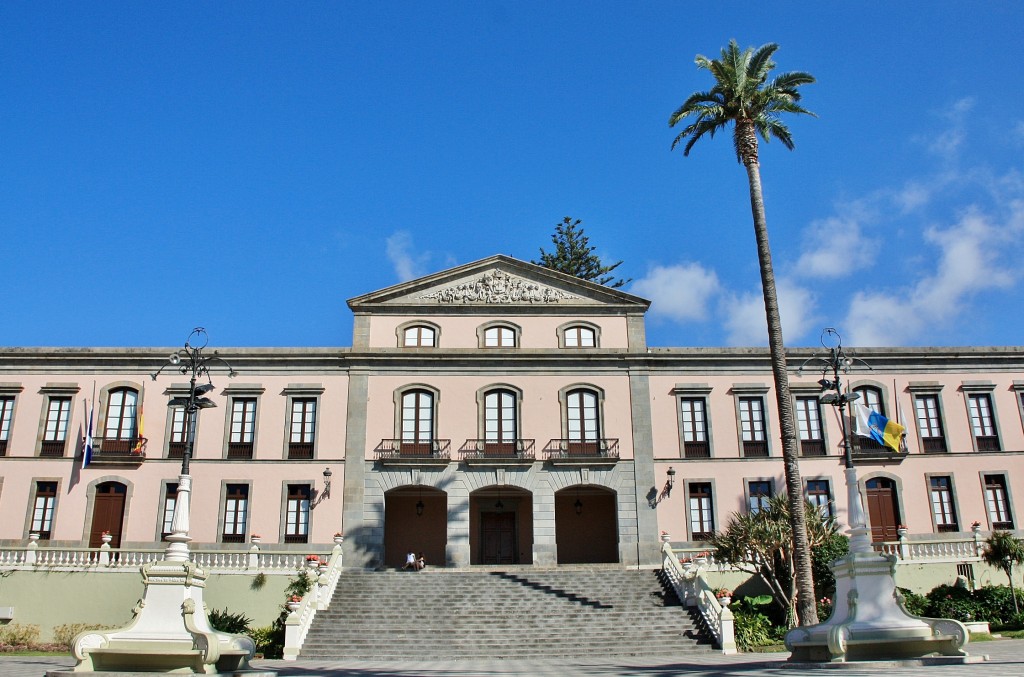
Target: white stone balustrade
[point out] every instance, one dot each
(35, 557)
(693, 590)
(318, 598)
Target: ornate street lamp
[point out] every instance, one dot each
(868, 620)
(839, 362)
(191, 362)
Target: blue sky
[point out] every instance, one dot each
(248, 167)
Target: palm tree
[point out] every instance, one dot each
(1002, 550)
(744, 97)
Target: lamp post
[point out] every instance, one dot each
(868, 622)
(191, 362)
(839, 362)
(171, 631)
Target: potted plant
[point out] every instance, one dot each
(723, 595)
(976, 526)
(255, 539)
(293, 603)
(665, 538)
(313, 561)
(338, 538)
(106, 537)
(902, 530)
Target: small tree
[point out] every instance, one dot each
(1002, 550)
(761, 544)
(574, 255)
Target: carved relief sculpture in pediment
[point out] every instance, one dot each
(496, 286)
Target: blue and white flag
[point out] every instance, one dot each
(87, 451)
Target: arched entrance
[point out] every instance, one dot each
(107, 513)
(501, 526)
(415, 518)
(883, 508)
(585, 525)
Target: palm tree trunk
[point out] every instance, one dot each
(746, 144)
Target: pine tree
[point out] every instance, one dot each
(573, 255)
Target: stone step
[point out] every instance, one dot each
(501, 613)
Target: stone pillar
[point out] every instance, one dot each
(648, 550)
(356, 545)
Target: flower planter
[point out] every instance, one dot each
(725, 601)
(339, 539)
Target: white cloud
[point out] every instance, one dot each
(407, 264)
(946, 143)
(745, 321)
(911, 197)
(974, 255)
(834, 247)
(681, 292)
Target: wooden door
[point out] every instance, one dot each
(108, 513)
(883, 509)
(498, 538)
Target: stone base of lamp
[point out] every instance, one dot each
(870, 623)
(170, 632)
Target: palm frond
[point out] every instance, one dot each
(768, 127)
(761, 62)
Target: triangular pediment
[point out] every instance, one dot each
(497, 281)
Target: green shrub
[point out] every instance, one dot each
(915, 604)
(753, 630)
(233, 623)
(263, 639)
(822, 556)
(20, 635)
(298, 587)
(950, 601)
(995, 604)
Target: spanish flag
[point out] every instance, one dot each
(868, 423)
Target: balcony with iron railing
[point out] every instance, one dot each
(397, 451)
(52, 448)
(484, 451)
(569, 451)
(119, 451)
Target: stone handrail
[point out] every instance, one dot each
(108, 559)
(693, 590)
(318, 598)
(945, 550)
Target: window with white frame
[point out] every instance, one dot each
(499, 337)
(177, 438)
(693, 426)
(121, 421)
(236, 513)
(417, 433)
(55, 429)
(752, 426)
(500, 419)
(929, 422)
(167, 509)
(583, 421)
(943, 511)
(302, 433)
(419, 336)
(702, 521)
(6, 415)
(242, 435)
(43, 505)
(870, 397)
(997, 500)
(983, 424)
(579, 336)
(296, 528)
(820, 495)
(808, 420)
(759, 492)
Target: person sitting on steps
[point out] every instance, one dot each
(421, 562)
(410, 561)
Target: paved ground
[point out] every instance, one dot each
(1006, 659)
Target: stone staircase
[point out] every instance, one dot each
(515, 612)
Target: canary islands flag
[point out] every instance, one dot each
(871, 424)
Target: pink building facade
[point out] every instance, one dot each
(494, 413)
